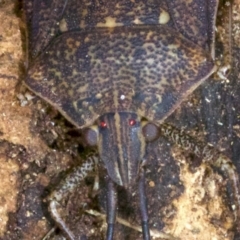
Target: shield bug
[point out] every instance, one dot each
(118, 70)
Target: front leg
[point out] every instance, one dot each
(67, 186)
(211, 156)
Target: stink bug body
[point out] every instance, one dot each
(119, 69)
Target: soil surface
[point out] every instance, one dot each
(187, 200)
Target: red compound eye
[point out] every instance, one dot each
(132, 122)
(103, 124)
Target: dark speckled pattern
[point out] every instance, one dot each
(116, 56)
(86, 75)
(114, 62)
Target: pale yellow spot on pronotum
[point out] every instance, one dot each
(110, 22)
(98, 96)
(137, 21)
(63, 25)
(164, 17)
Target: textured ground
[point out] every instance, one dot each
(36, 144)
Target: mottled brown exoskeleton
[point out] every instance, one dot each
(118, 69)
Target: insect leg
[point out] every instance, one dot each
(211, 156)
(111, 208)
(143, 206)
(67, 186)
